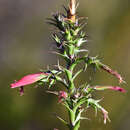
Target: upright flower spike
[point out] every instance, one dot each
(69, 40)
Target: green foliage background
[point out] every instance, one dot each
(25, 46)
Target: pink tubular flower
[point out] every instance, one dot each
(116, 88)
(28, 79)
(115, 73)
(105, 113)
(62, 95)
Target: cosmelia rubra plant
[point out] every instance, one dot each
(69, 38)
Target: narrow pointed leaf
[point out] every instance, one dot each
(77, 74)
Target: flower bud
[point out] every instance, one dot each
(62, 95)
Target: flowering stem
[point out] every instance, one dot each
(69, 40)
(74, 110)
(72, 116)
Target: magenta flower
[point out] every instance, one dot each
(62, 95)
(21, 90)
(28, 79)
(116, 88)
(115, 73)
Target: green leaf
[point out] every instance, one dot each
(79, 103)
(84, 118)
(53, 92)
(83, 86)
(62, 120)
(78, 72)
(71, 50)
(80, 42)
(81, 50)
(55, 71)
(67, 106)
(69, 74)
(78, 116)
(68, 35)
(51, 83)
(44, 80)
(94, 102)
(55, 37)
(61, 80)
(85, 67)
(62, 55)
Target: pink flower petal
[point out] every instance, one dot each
(28, 79)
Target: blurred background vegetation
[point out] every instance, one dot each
(25, 44)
